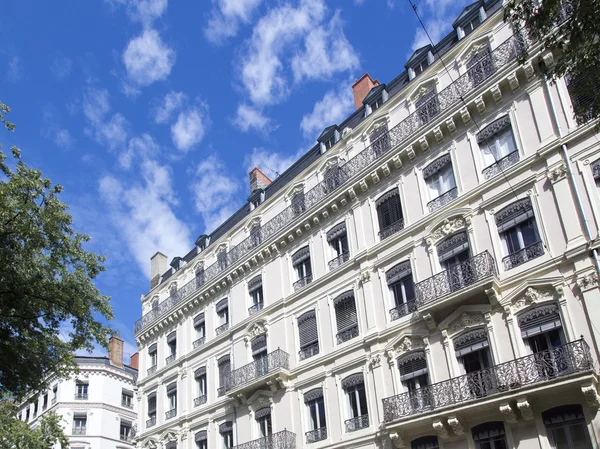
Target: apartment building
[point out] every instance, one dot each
(424, 277)
(96, 404)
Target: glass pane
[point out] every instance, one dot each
(409, 289)
(579, 436)
(312, 408)
(529, 232)
(558, 438)
(362, 397)
(321, 405)
(353, 403)
(511, 239)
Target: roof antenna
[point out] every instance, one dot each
(276, 173)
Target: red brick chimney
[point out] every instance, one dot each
(115, 351)
(134, 361)
(258, 180)
(362, 87)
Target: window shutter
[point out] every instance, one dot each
(171, 445)
(345, 311)
(389, 209)
(513, 214)
(453, 245)
(172, 388)
(563, 414)
(255, 283)
(307, 329)
(200, 372)
(172, 337)
(493, 129)
(152, 348)
(596, 169)
(485, 431)
(430, 442)
(539, 320)
(199, 320)
(336, 232)
(313, 394)
(127, 392)
(266, 411)
(470, 341)
(436, 166)
(259, 344)
(201, 436)
(300, 256)
(152, 403)
(221, 305)
(352, 380)
(412, 365)
(398, 272)
(227, 426)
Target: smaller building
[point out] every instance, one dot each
(97, 404)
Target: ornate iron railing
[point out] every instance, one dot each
(403, 309)
(456, 278)
(151, 422)
(223, 328)
(170, 359)
(171, 413)
(308, 351)
(519, 257)
(79, 431)
(543, 366)
(127, 438)
(126, 404)
(280, 440)
(199, 342)
(256, 308)
(339, 260)
(81, 396)
(500, 165)
(312, 436)
(442, 200)
(152, 370)
(347, 334)
(302, 282)
(360, 422)
(200, 400)
(392, 229)
(273, 361)
(461, 88)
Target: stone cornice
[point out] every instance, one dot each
(87, 405)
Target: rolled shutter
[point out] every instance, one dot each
(152, 348)
(201, 436)
(172, 387)
(389, 209)
(259, 344)
(513, 214)
(254, 284)
(127, 392)
(200, 372)
(172, 337)
(453, 245)
(266, 411)
(539, 320)
(221, 305)
(152, 402)
(488, 430)
(300, 256)
(436, 166)
(80, 415)
(313, 394)
(171, 445)
(412, 365)
(307, 329)
(398, 272)
(227, 426)
(199, 319)
(596, 169)
(345, 311)
(336, 232)
(493, 129)
(352, 380)
(470, 341)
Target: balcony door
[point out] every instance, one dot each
(454, 254)
(414, 375)
(473, 353)
(263, 419)
(259, 354)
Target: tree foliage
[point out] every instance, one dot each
(49, 305)
(17, 434)
(571, 30)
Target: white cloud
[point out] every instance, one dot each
(226, 18)
(143, 146)
(143, 214)
(333, 108)
(438, 16)
(143, 11)
(14, 71)
(390, 3)
(214, 192)
(61, 67)
(271, 163)
(63, 138)
(248, 117)
(147, 58)
(54, 131)
(172, 103)
(111, 131)
(188, 131)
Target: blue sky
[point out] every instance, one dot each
(151, 113)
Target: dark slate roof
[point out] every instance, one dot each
(419, 52)
(102, 361)
(327, 132)
(374, 93)
(469, 9)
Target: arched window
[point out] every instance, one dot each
(567, 428)
(429, 442)
(489, 435)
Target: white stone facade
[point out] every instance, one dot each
(499, 340)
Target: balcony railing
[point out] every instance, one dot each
(302, 282)
(198, 342)
(152, 370)
(456, 278)
(81, 396)
(529, 370)
(273, 361)
(54, 400)
(279, 440)
(392, 229)
(519, 257)
(170, 359)
(199, 400)
(151, 422)
(127, 404)
(443, 199)
(462, 88)
(339, 260)
(78, 431)
(126, 438)
(360, 422)
(223, 328)
(255, 308)
(171, 413)
(308, 351)
(347, 334)
(312, 436)
(500, 165)
(403, 309)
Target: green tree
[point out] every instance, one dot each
(46, 281)
(17, 434)
(571, 30)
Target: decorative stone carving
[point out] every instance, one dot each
(496, 93)
(509, 414)
(587, 282)
(346, 132)
(531, 296)
(441, 430)
(447, 227)
(548, 58)
(474, 50)
(591, 396)
(529, 70)
(150, 444)
(513, 81)
(363, 186)
(168, 438)
(352, 194)
(397, 440)
(397, 161)
(451, 125)
(431, 324)
(525, 408)
(424, 144)
(375, 177)
(480, 104)
(258, 328)
(437, 133)
(557, 173)
(365, 276)
(410, 152)
(385, 168)
(464, 321)
(375, 361)
(334, 208)
(465, 115)
(455, 425)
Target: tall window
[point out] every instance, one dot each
(519, 234)
(153, 357)
(414, 376)
(581, 91)
(308, 335)
(171, 445)
(400, 282)
(199, 330)
(489, 435)
(389, 213)
(27, 414)
(200, 376)
(379, 139)
(171, 400)
(81, 389)
(226, 431)
(54, 394)
(172, 344)
(35, 408)
(259, 354)
(45, 402)
(441, 184)
(263, 419)
(337, 237)
(222, 309)
(302, 267)
(222, 259)
(566, 427)
(354, 386)
(480, 66)
(200, 278)
(224, 365)
(79, 423)
(453, 254)
(255, 289)
(298, 203)
(346, 316)
(201, 439)
(596, 173)
(331, 178)
(316, 415)
(427, 105)
(498, 148)
(541, 328)
(127, 398)
(151, 410)
(125, 430)
(472, 350)
(429, 442)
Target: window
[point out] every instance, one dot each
(222, 259)
(480, 67)
(45, 402)
(420, 67)
(567, 428)
(454, 254)
(581, 90)
(200, 330)
(173, 290)
(259, 355)
(54, 394)
(337, 237)
(226, 431)
(302, 267)
(127, 398)
(489, 435)
(298, 203)
(473, 353)
(35, 408)
(430, 442)
(329, 143)
(380, 140)
(263, 419)
(471, 25)
(427, 106)
(200, 376)
(153, 356)
(389, 213)
(171, 445)
(498, 148)
(151, 410)
(172, 344)
(441, 184)
(354, 386)
(201, 439)
(200, 278)
(125, 430)
(332, 178)
(400, 282)
(222, 309)
(414, 376)
(81, 389)
(346, 317)
(255, 237)
(79, 423)
(255, 289)
(155, 305)
(171, 405)
(27, 414)
(519, 234)
(596, 173)
(316, 415)
(308, 335)
(224, 365)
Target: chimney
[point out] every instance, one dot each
(158, 265)
(258, 180)
(361, 89)
(115, 351)
(134, 361)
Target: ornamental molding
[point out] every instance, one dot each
(459, 220)
(150, 444)
(254, 330)
(404, 344)
(398, 440)
(591, 396)
(252, 223)
(83, 405)
(456, 426)
(441, 429)
(557, 173)
(376, 125)
(532, 296)
(525, 408)
(260, 399)
(168, 437)
(475, 47)
(465, 317)
(588, 281)
(332, 161)
(423, 88)
(374, 361)
(509, 413)
(296, 188)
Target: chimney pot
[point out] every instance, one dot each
(158, 265)
(258, 180)
(134, 361)
(115, 351)
(362, 87)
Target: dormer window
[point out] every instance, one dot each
(419, 61)
(328, 138)
(469, 19)
(471, 25)
(375, 99)
(420, 67)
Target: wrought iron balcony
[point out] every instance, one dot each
(152, 370)
(127, 438)
(500, 165)
(171, 413)
(79, 431)
(403, 309)
(81, 396)
(223, 328)
(456, 278)
(280, 440)
(347, 334)
(308, 351)
(463, 88)
(268, 364)
(127, 404)
(256, 308)
(360, 422)
(170, 359)
(392, 229)
(302, 282)
(312, 436)
(443, 199)
(151, 422)
(198, 342)
(519, 257)
(510, 376)
(199, 400)
(339, 260)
